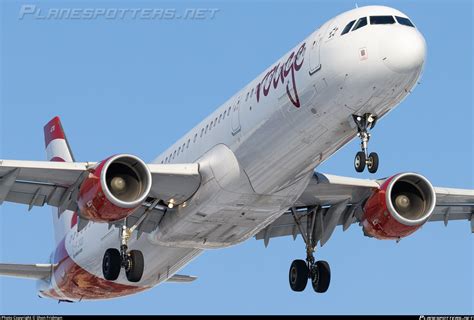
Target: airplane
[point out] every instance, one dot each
(123, 226)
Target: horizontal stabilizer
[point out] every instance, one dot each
(30, 271)
(181, 278)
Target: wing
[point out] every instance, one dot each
(36, 183)
(337, 200)
(30, 271)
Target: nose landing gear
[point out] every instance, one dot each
(363, 158)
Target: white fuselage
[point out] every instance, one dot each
(259, 149)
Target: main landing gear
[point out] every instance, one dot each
(301, 270)
(132, 261)
(364, 124)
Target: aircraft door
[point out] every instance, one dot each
(315, 54)
(236, 118)
(326, 33)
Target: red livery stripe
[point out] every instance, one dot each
(76, 283)
(57, 159)
(53, 130)
(74, 220)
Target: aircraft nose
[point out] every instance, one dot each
(404, 50)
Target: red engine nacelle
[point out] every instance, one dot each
(114, 189)
(401, 205)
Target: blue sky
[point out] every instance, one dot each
(136, 86)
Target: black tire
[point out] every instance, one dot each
(298, 275)
(373, 164)
(137, 264)
(359, 161)
(321, 280)
(111, 264)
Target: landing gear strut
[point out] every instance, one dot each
(132, 261)
(364, 124)
(301, 270)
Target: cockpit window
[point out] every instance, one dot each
(361, 23)
(404, 21)
(382, 20)
(348, 27)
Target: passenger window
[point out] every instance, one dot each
(228, 111)
(215, 121)
(404, 21)
(205, 131)
(225, 111)
(189, 141)
(348, 27)
(382, 20)
(195, 137)
(202, 132)
(179, 150)
(361, 23)
(184, 144)
(174, 154)
(210, 127)
(220, 118)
